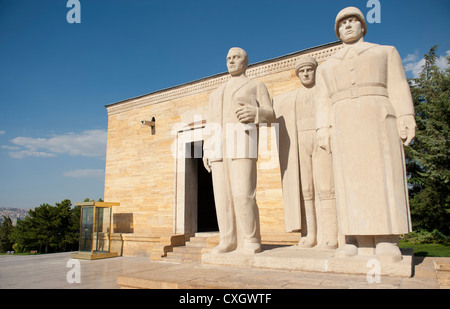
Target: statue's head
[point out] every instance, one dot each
(237, 61)
(350, 25)
(305, 69)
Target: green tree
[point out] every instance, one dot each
(36, 232)
(89, 200)
(48, 229)
(67, 224)
(427, 160)
(72, 235)
(6, 230)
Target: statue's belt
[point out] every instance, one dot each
(359, 91)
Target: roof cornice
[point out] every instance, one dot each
(255, 70)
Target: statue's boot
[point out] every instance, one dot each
(348, 249)
(328, 223)
(310, 240)
(387, 250)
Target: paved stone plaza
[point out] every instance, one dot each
(51, 271)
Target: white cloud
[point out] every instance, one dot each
(2, 132)
(86, 173)
(414, 65)
(10, 147)
(442, 63)
(90, 143)
(411, 57)
(28, 153)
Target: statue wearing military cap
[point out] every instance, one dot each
(305, 61)
(305, 167)
(346, 13)
(365, 114)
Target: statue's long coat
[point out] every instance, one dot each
(362, 91)
(284, 106)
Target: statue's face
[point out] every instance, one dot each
(350, 29)
(307, 75)
(236, 62)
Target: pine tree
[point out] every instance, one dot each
(428, 159)
(6, 230)
(49, 229)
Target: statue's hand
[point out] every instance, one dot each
(323, 139)
(206, 164)
(246, 113)
(406, 128)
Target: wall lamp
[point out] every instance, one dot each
(150, 123)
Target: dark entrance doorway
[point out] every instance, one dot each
(206, 208)
(199, 207)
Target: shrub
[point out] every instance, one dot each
(426, 237)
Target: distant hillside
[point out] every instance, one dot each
(14, 213)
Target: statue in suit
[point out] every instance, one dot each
(231, 152)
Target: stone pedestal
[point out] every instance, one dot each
(315, 260)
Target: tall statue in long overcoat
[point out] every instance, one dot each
(365, 115)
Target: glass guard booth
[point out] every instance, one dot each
(95, 230)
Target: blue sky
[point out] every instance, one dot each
(56, 77)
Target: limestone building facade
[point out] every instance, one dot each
(155, 171)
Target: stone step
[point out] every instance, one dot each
(204, 242)
(187, 249)
(193, 249)
(206, 234)
(197, 242)
(183, 257)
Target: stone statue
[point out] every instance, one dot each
(239, 104)
(306, 169)
(364, 114)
